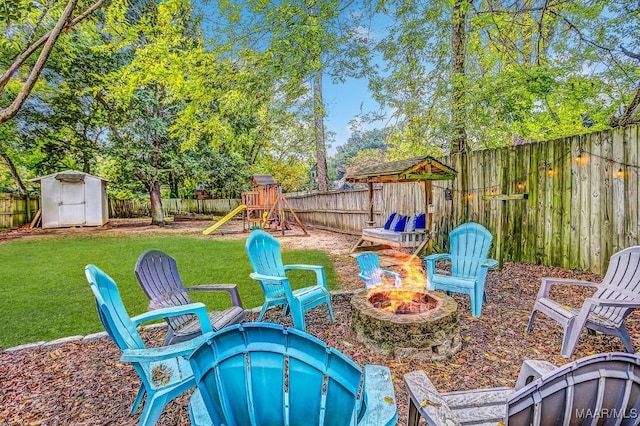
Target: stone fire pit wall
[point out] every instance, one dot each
(434, 334)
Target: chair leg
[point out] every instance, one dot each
(626, 339)
(330, 308)
(153, 409)
(136, 402)
(570, 339)
(531, 319)
(297, 314)
(414, 415)
(265, 306)
(477, 296)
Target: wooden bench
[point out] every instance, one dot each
(376, 237)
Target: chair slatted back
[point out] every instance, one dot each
(621, 282)
(469, 248)
(157, 273)
(264, 254)
(601, 387)
(370, 270)
(245, 371)
(114, 316)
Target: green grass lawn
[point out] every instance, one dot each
(44, 294)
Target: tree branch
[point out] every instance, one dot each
(4, 79)
(8, 113)
(629, 53)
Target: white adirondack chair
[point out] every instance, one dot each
(615, 298)
(600, 389)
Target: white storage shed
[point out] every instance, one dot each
(73, 198)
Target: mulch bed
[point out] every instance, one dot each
(86, 384)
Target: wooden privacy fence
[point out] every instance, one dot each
(13, 210)
(171, 206)
(13, 213)
(570, 202)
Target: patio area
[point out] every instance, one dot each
(85, 383)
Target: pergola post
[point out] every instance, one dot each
(370, 222)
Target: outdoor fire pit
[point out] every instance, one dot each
(406, 323)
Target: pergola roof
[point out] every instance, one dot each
(411, 169)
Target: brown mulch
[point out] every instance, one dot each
(86, 384)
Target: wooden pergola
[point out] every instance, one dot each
(426, 169)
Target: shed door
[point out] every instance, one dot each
(71, 203)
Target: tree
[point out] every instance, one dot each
(511, 71)
(300, 41)
(361, 139)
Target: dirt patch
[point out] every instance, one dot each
(86, 384)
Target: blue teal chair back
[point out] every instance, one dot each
(111, 310)
(173, 374)
(371, 272)
(469, 246)
(264, 374)
(264, 254)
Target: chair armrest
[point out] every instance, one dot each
(531, 370)
(548, 282)
(164, 352)
(490, 263)
(232, 289)
(379, 397)
(197, 309)
(437, 256)
(319, 270)
(425, 401)
(261, 277)
(610, 302)
(393, 274)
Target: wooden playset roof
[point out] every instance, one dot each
(263, 180)
(411, 169)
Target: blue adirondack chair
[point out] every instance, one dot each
(371, 272)
(264, 254)
(164, 372)
(263, 374)
(469, 246)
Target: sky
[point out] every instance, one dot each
(343, 102)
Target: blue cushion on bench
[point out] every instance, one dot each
(387, 224)
(421, 221)
(411, 224)
(399, 226)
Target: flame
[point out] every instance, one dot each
(413, 279)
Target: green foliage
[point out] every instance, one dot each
(56, 298)
(361, 139)
(531, 72)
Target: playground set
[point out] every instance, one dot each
(264, 207)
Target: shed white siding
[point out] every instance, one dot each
(73, 198)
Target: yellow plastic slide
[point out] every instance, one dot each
(222, 221)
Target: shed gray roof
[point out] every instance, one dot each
(417, 168)
(70, 174)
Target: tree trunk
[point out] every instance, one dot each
(458, 41)
(321, 150)
(14, 172)
(157, 215)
